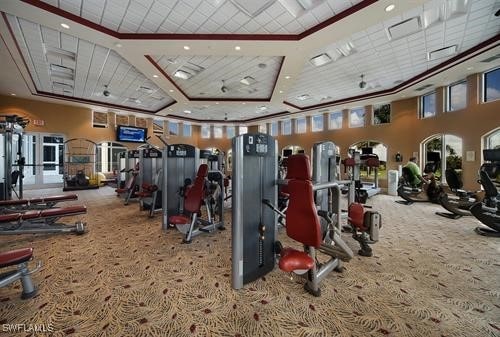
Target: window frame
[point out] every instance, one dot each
(297, 131)
(422, 106)
(364, 117)
(289, 121)
(232, 127)
(270, 129)
(205, 126)
(448, 95)
(184, 125)
(483, 98)
(218, 132)
(322, 123)
(373, 113)
(341, 113)
(244, 127)
(170, 123)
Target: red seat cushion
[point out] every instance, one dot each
(144, 194)
(10, 217)
(356, 215)
(63, 211)
(121, 190)
(202, 171)
(13, 202)
(298, 167)
(292, 259)
(63, 197)
(179, 219)
(14, 257)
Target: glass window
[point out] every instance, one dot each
(357, 117)
(263, 128)
(301, 125)
(286, 127)
(217, 131)
(273, 129)
(428, 105)
(491, 85)
(317, 123)
(157, 126)
(205, 131)
(381, 114)
(187, 130)
(173, 128)
(457, 96)
(243, 130)
(335, 120)
(230, 132)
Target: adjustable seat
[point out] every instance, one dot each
(18, 258)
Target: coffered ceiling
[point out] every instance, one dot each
(240, 61)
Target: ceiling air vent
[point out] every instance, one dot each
(299, 7)
(254, 7)
(61, 85)
(188, 70)
(492, 58)
(62, 72)
(248, 80)
(58, 52)
(320, 60)
(145, 90)
(424, 87)
(404, 28)
(442, 52)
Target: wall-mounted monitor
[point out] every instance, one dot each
(131, 134)
(492, 155)
(367, 150)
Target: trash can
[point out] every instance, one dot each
(392, 182)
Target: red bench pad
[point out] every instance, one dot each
(13, 202)
(31, 215)
(14, 257)
(10, 217)
(62, 197)
(292, 259)
(63, 211)
(179, 220)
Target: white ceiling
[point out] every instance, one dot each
(197, 16)
(119, 61)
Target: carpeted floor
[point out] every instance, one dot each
(429, 276)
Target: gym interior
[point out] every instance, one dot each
(250, 168)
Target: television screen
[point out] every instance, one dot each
(131, 134)
(491, 155)
(287, 152)
(433, 156)
(366, 150)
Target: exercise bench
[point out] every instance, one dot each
(19, 258)
(42, 221)
(9, 206)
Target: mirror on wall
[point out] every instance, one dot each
(372, 147)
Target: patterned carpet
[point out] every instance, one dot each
(429, 276)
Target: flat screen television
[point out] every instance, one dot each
(366, 150)
(131, 134)
(287, 153)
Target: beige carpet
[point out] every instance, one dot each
(430, 276)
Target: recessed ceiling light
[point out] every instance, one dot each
(237, 48)
(12, 94)
(287, 77)
(216, 102)
(470, 68)
(65, 25)
(171, 90)
(186, 48)
(118, 45)
(155, 76)
(281, 91)
(243, 103)
(390, 8)
(187, 111)
(320, 60)
(183, 74)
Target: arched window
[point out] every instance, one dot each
(443, 146)
(374, 147)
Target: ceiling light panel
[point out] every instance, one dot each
(442, 52)
(207, 17)
(243, 76)
(404, 28)
(320, 60)
(52, 63)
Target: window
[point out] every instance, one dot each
(286, 127)
(217, 131)
(157, 126)
(205, 131)
(273, 129)
(263, 128)
(317, 123)
(381, 114)
(230, 132)
(457, 96)
(243, 130)
(301, 125)
(187, 130)
(428, 105)
(108, 156)
(100, 119)
(491, 85)
(335, 120)
(357, 117)
(173, 128)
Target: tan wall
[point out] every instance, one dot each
(404, 134)
(406, 131)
